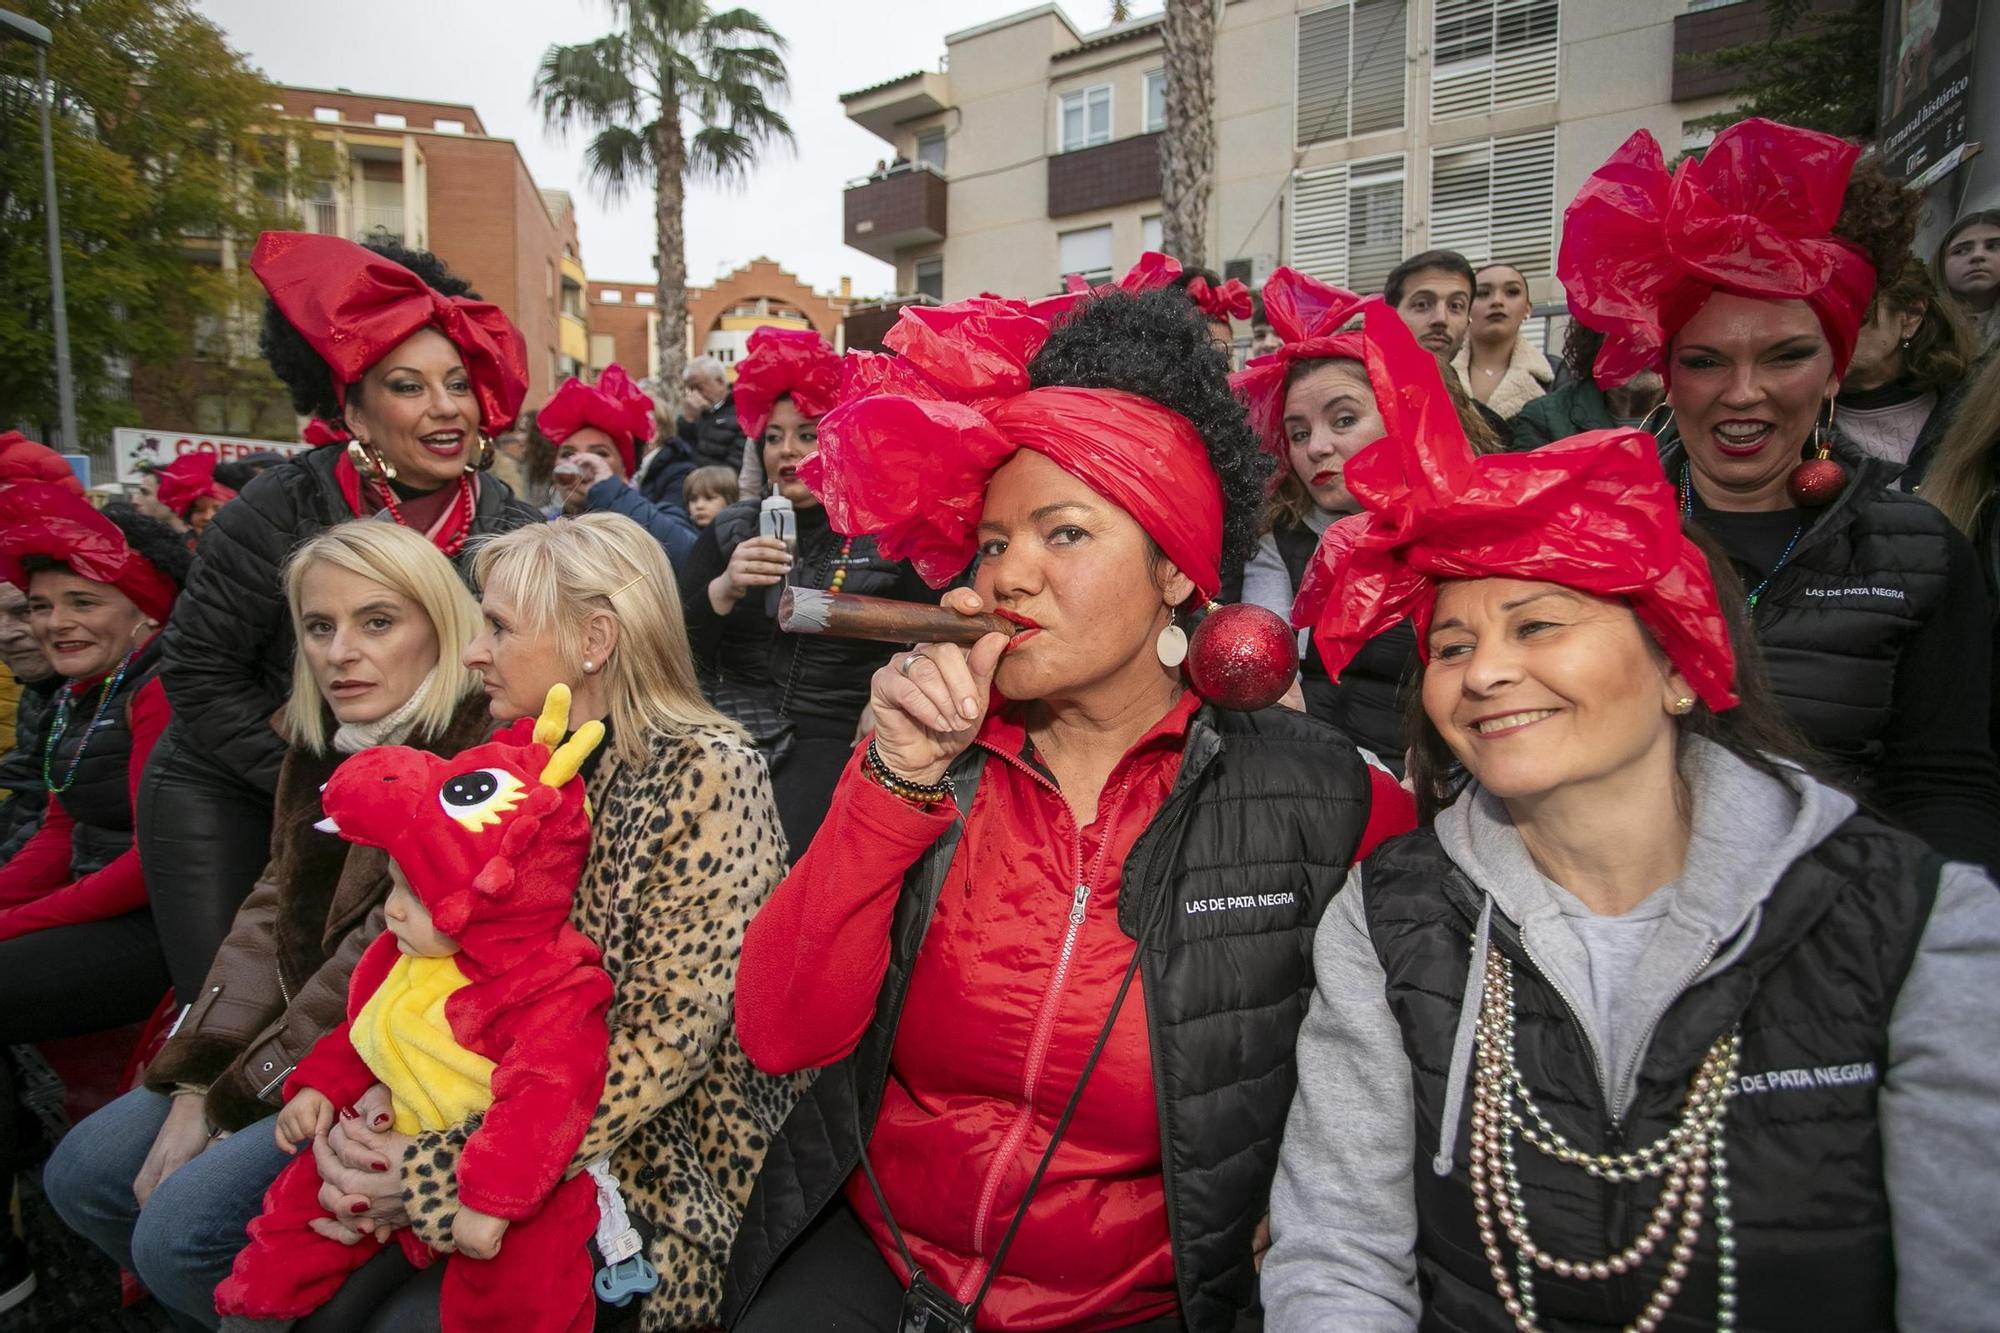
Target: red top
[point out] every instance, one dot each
(995, 1031)
(36, 890)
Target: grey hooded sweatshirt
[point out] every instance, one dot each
(1343, 1208)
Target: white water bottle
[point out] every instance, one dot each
(777, 519)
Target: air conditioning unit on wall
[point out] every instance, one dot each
(1251, 271)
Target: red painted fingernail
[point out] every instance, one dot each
(347, 1113)
(380, 1166)
(361, 1207)
(381, 1121)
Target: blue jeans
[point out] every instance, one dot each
(182, 1243)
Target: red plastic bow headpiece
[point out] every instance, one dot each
(1310, 317)
(39, 519)
(1592, 512)
(1232, 298)
(22, 459)
(1642, 251)
(614, 405)
(909, 452)
(318, 432)
(353, 307)
(784, 363)
(189, 478)
(1153, 270)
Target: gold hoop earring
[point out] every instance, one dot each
(484, 459)
(369, 462)
(1646, 422)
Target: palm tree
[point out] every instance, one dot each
(680, 91)
(1187, 147)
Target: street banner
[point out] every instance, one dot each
(1926, 86)
(136, 447)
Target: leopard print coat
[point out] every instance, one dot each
(687, 848)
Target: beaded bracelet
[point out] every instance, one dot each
(916, 793)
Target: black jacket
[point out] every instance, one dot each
(96, 763)
(1368, 703)
(714, 436)
(811, 679)
(21, 767)
(1571, 408)
(1875, 639)
(1224, 994)
(228, 657)
(1812, 992)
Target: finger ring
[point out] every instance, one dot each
(908, 663)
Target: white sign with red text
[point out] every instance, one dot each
(136, 448)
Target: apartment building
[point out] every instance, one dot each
(1348, 134)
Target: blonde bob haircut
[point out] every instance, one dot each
(408, 565)
(557, 574)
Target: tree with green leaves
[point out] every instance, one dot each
(681, 91)
(167, 157)
(1819, 67)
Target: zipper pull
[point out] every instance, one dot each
(1076, 904)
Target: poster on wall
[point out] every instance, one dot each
(1926, 86)
(140, 448)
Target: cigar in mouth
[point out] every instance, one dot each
(844, 615)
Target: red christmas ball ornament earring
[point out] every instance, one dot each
(1242, 657)
(1814, 483)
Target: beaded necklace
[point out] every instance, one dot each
(1687, 511)
(60, 724)
(1689, 1157)
(457, 542)
(840, 564)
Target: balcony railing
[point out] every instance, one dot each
(898, 207)
(322, 216)
(370, 222)
(1123, 171)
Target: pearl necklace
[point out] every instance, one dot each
(1690, 1157)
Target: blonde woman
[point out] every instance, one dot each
(160, 1180)
(688, 847)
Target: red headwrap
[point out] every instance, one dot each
(1153, 270)
(1592, 512)
(1309, 316)
(910, 450)
(22, 459)
(318, 432)
(189, 478)
(354, 307)
(614, 405)
(1231, 298)
(784, 363)
(39, 519)
(1642, 251)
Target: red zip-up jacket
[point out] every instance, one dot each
(1010, 989)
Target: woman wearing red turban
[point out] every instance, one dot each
(79, 951)
(800, 698)
(1314, 407)
(1744, 279)
(1648, 1028)
(1054, 1135)
(418, 374)
(188, 490)
(597, 430)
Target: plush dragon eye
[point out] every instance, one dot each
(478, 799)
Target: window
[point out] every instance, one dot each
(1156, 100)
(930, 277)
(390, 120)
(1086, 118)
(1151, 232)
(1347, 222)
(1351, 69)
(326, 114)
(930, 149)
(1086, 252)
(1495, 200)
(448, 126)
(1487, 55)
(611, 296)
(642, 298)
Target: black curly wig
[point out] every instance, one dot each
(304, 373)
(161, 546)
(1157, 345)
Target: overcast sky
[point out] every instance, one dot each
(484, 52)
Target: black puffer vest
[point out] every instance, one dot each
(1811, 995)
(1869, 571)
(99, 798)
(1268, 803)
(1367, 704)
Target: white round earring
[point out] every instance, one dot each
(588, 666)
(1172, 645)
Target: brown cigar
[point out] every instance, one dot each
(846, 616)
